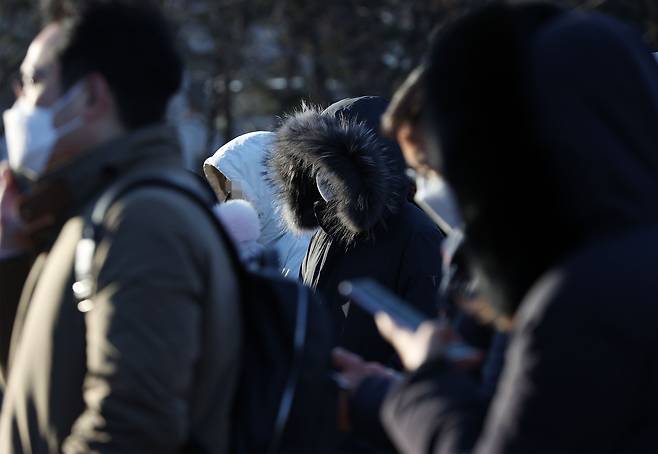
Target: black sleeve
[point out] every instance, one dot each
(438, 409)
(421, 271)
(574, 380)
(559, 365)
(365, 406)
(494, 362)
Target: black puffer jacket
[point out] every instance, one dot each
(368, 229)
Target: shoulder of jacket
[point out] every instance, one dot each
(416, 222)
(159, 208)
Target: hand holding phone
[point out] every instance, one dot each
(372, 297)
(414, 345)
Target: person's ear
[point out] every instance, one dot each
(99, 102)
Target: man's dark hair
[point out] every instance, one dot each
(407, 103)
(131, 45)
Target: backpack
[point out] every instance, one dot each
(285, 400)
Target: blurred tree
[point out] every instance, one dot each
(642, 14)
(250, 60)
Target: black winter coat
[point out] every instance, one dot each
(404, 257)
(368, 228)
(579, 373)
(581, 368)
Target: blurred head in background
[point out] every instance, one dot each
(402, 121)
(97, 70)
(544, 123)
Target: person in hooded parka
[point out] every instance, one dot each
(334, 171)
(550, 140)
(237, 171)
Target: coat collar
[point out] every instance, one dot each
(48, 203)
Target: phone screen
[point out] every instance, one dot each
(372, 297)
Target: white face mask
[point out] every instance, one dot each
(31, 135)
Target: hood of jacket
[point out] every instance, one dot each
(241, 160)
(549, 137)
(362, 170)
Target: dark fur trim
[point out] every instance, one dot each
(362, 174)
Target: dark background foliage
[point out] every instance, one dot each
(251, 60)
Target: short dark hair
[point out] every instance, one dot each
(407, 103)
(131, 45)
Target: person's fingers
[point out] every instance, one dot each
(343, 359)
(376, 369)
(413, 347)
(387, 327)
(7, 175)
(8, 188)
(343, 413)
(404, 341)
(371, 368)
(38, 224)
(6, 191)
(430, 329)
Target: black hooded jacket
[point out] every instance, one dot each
(566, 106)
(369, 228)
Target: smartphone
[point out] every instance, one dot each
(372, 297)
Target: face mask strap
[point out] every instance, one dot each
(67, 97)
(69, 127)
(60, 104)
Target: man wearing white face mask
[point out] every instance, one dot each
(156, 351)
(31, 133)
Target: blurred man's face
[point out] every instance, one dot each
(40, 86)
(40, 72)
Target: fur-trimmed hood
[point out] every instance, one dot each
(362, 170)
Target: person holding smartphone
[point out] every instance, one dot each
(544, 123)
(337, 176)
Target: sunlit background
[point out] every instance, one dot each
(251, 60)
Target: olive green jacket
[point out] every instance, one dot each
(153, 366)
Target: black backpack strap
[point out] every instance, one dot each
(299, 340)
(84, 285)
